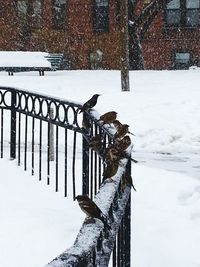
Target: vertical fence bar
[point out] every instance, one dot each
(122, 242)
(95, 173)
(95, 165)
(13, 126)
(85, 163)
(19, 139)
(1, 133)
(91, 174)
(51, 136)
(33, 143)
(119, 248)
(25, 144)
(73, 166)
(127, 222)
(91, 167)
(40, 152)
(99, 172)
(56, 158)
(48, 154)
(127, 219)
(114, 255)
(65, 193)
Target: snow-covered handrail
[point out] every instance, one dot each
(94, 244)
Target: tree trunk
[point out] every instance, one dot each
(124, 46)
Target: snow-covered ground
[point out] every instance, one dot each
(162, 110)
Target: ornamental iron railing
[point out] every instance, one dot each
(51, 138)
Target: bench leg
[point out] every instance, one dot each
(41, 72)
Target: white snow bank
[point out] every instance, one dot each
(165, 219)
(36, 224)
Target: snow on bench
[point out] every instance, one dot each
(17, 61)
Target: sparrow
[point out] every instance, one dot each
(91, 209)
(117, 151)
(96, 142)
(117, 124)
(111, 154)
(127, 180)
(124, 143)
(90, 103)
(110, 170)
(122, 131)
(108, 117)
(86, 124)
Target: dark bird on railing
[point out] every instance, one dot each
(96, 142)
(90, 103)
(108, 117)
(110, 170)
(91, 209)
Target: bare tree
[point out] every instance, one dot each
(138, 26)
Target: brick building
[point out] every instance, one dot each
(88, 32)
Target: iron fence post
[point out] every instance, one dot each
(127, 222)
(13, 126)
(85, 161)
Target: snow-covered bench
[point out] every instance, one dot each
(18, 61)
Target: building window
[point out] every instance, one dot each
(182, 13)
(100, 15)
(182, 60)
(59, 13)
(29, 12)
(192, 13)
(173, 13)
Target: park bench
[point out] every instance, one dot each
(55, 59)
(19, 61)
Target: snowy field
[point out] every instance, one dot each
(163, 111)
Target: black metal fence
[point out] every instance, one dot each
(50, 138)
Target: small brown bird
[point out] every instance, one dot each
(91, 209)
(114, 154)
(86, 124)
(90, 103)
(124, 143)
(108, 117)
(110, 170)
(127, 180)
(117, 124)
(122, 131)
(111, 154)
(96, 142)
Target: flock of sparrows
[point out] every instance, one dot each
(111, 156)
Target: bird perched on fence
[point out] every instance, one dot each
(117, 151)
(124, 143)
(96, 142)
(127, 180)
(122, 130)
(110, 170)
(91, 209)
(108, 117)
(90, 103)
